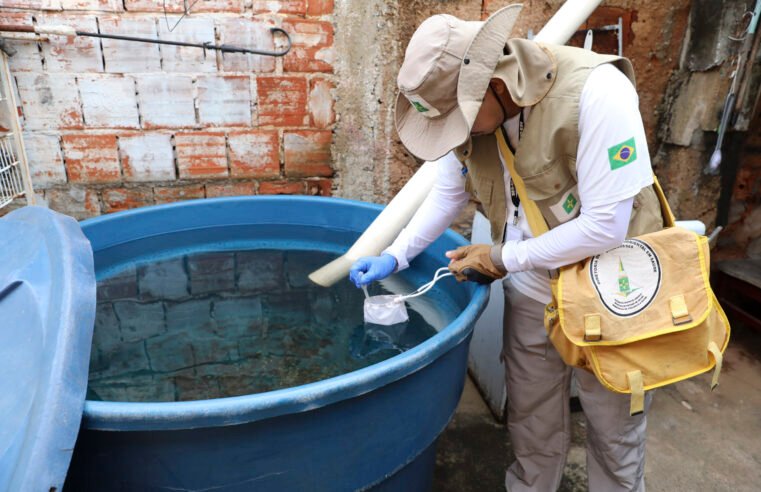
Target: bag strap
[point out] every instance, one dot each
(535, 219)
(668, 215)
(718, 358)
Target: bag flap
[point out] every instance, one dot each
(654, 284)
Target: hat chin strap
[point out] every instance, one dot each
(501, 105)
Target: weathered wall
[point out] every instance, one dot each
(111, 125)
(742, 236)
(653, 30)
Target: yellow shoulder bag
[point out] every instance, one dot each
(639, 316)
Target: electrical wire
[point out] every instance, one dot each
(186, 11)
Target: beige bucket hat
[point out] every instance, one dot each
(444, 77)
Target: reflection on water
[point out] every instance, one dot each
(230, 323)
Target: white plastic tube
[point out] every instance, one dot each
(384, 229)
(566, 21)
(382, 232)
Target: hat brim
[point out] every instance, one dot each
(431, 138)
(483, 54)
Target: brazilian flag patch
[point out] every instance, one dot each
(622, 154)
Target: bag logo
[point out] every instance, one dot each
(622, 154)
(627, 278)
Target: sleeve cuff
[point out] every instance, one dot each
(515, 256)
(495, 255)
(401, 258)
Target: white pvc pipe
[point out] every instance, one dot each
(566, 21)
(384, 229)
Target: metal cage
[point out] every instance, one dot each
(15, 180)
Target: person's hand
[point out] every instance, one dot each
(371, 268)
(478, 263)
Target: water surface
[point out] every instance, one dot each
(229, 323)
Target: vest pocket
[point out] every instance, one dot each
(484, 188)
(552, 181)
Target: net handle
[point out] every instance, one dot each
(438, 275)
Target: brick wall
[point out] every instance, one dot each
(111, 125)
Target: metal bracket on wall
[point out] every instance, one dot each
(589, 34)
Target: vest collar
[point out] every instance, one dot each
(528, 70)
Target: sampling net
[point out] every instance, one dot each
(390, 309)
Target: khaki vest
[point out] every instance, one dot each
(546, 155)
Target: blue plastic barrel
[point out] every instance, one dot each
(374, 428)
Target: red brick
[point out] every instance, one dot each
(147, 157)
(254, 154)
(307, 153)
(215, 6)
(133, 57)
(107, 5)
(171, 194)
(312, 49)
(230, 189)
(43, 153)
(91, 158)
(280, 7)
(49, 101)
(31, 4)
(184, 58)
(166, 101)
(27, 57)
(14, 18)
(321, 187)
(320, 7)
(201, 155)
(73, 54)
(281, 188)
(321, 103)
(118, 199)
(282, 101)
(224, 100)
(173, 6)
(109, 101)
(246, 33)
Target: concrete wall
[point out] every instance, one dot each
(653, 35)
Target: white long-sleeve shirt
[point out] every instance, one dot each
(609, 119)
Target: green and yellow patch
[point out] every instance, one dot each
(419, 107)
(622, 154)
(570, 203)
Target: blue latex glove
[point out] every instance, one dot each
(371, 268)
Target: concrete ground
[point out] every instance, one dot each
(698, 440)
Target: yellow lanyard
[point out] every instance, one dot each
(535, 220)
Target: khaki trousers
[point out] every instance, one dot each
(538, 415)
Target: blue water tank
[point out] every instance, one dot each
(47, 307)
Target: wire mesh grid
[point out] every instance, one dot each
(15, 180)
(11, 183)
